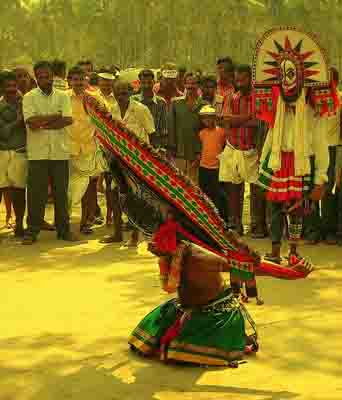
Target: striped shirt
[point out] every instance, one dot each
(242, 138)
(158, 108)
(225, 92)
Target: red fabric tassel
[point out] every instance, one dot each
(165, 239)
(267, 268)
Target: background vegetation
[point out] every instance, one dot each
(149, 32)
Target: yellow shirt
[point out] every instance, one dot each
(82, 132)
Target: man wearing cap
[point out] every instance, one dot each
(105, 80)
(156, 105)
(167, 88)
(183, 128)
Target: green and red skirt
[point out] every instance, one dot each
(283, 185)
(212, 335)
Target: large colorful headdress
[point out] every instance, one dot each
(285, 61)
(290, 59)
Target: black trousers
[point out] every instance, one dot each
(208, 180)
(37, 193)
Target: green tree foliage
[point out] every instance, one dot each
(149, 32)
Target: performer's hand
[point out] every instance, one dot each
(108, 115)
(317, 193)
(195, 163)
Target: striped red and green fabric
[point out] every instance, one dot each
(174, 187)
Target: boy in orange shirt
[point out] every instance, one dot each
(212, 139)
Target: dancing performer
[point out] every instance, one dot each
(292, 93)
(206, 324)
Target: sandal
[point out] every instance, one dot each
(29, 239)
(258, 235)
(86, 230)
(10, 224)
(131, 244)
(111, 239)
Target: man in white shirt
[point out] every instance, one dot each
(134, 115)
(47, 112)
(138, 119)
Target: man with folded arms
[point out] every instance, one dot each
(47, 112)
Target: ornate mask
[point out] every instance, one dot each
(291, 80)
(290, 59)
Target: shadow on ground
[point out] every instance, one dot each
(115, 376)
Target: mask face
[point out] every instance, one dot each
(290, 80)
(289, 75)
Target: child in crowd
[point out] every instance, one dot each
(212, 140)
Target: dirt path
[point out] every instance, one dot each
(66, 312)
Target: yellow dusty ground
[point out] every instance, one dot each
(66, 312)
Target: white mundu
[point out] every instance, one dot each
(13, 169)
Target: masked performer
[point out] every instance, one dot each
(292, 93)
(206, 324)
